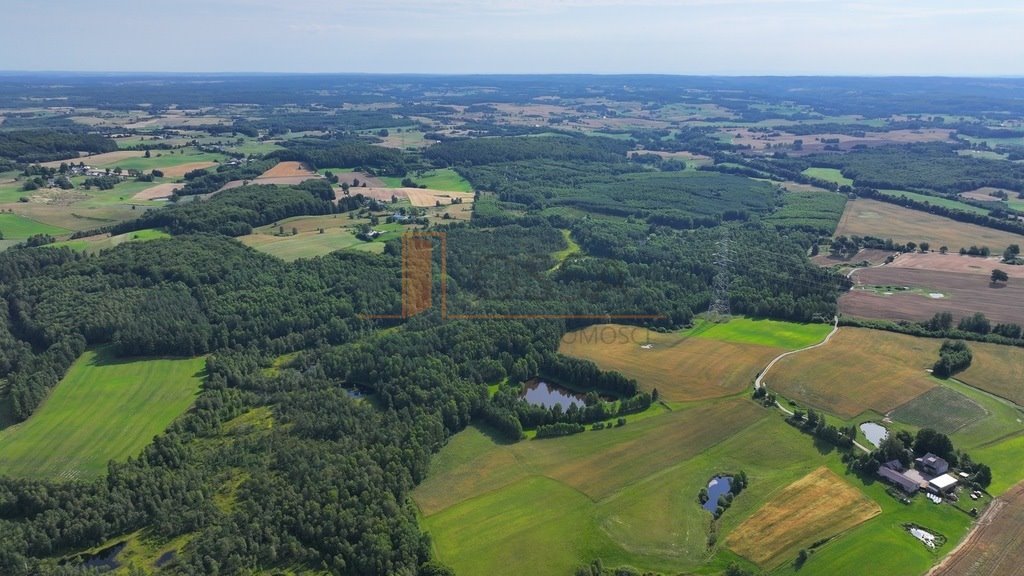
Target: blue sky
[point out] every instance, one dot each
(874, 37)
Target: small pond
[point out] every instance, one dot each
(540, 393)
(718, 486)
(875, 433)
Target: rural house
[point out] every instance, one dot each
(932, 464)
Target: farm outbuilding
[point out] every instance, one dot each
(942, 484)
(892, 472)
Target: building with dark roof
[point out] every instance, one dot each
(932, 464)
(892, 473)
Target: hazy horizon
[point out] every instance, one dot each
(445, 37)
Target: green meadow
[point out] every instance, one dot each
(16, 227)
(104, 409)
(773, 333)
(441, 179)
(829, 175)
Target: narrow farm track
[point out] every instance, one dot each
(759, 382)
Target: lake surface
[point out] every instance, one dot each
(718, 486)
(875, 433)
(540, 393)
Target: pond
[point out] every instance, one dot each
(540, 393)
(718, 486)
(875, 433)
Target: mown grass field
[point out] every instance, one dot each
(997, 369)
(524, 508)
(774, 333)
(309, 242)
(707, 361)
(940, 408)
(104, 409)
(817, 506)
(444, 179)
(865, 217)
(858, 370)
(829, 175)
(17, 227)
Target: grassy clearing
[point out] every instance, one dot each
(941, 408)
(865, 217)
(818, 505)
(571, 248)
(829, 175)
(444, 179)
(309, 244)
(104, 409)
(859, 370)
(17, 227)
(94, 244)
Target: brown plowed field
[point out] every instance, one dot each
(963, 294)
(865, 217)
(985, 194)
(955, 263)
(995, 547)
(350, 177)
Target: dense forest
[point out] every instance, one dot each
(28, 146)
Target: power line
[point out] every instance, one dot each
(719, 311)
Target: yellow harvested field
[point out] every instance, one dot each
(423, 198)
(157, 192)
(288, 170)
(883, 220)
(100, 160)
(681, 368)
(858, 370)
(181, 169)
(816, 506)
